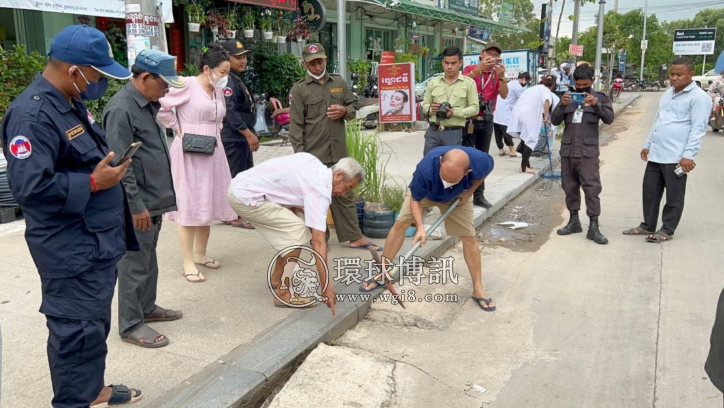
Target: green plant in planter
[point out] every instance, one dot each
(18, 68)
(362, 69)
(283, 27)
(266, 22)
(195, 12)
(393, 197)
(365, 148)
(248, 20)
(232, 20)
(189, 70)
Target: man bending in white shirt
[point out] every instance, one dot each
(268, 195)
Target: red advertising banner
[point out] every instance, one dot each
(388, 57)
(397, 92)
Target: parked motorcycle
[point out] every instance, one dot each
(279, 118)
(616, 88)
(369, 102)
(644, 85)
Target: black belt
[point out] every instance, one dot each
(451, 127)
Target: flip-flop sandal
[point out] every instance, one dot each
(513, 156)
(144, 333)
(211, 264)
(367, 246)
(659, 237)
(245, 225)
(198, 275)
(163, 315)
(502, 154)
(120, 395)
(487, 303)
(378, 283)
(637, 231)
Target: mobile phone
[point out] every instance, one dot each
(578, 97)
(132, 149)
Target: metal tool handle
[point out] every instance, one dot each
(417, 245)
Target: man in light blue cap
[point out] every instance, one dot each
(130, 117)
(78, 225)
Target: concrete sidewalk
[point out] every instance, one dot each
(232, 343)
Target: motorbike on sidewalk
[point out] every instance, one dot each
(369, 102)
(616, 88)
(644, 85)
(279, 119)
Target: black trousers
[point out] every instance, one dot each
(78, 316)
(239, 156)
(501, 135)
(657, 178)
(582, 172)
(479, 139)
(138, 280)
(525, 152)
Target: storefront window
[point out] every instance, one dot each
(377, 41)
(328, 39)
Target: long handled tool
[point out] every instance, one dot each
(391, 276)
(550, 174)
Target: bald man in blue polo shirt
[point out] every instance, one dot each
(444, 174)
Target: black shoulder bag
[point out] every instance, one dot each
(200, 144)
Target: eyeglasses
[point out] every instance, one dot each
(164, 84)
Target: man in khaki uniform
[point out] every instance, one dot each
(457, 90)
(320, 103)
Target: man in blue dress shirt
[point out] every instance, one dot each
(674, 141)
(444, 174)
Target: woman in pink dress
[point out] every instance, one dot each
(201, 181)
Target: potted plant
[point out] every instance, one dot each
(299, 31)
(196, 16)
(400, 44)
(266, 23)
(424, 51)
(217, 23)
(393, 197)
(283, 28)
(233, 24)
(247, 23)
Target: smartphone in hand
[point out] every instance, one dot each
(578, 97)
(132, 149)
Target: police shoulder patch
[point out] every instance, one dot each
(20, 147)
(227, 91)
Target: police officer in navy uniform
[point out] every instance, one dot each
(78, 224)
(237, 134)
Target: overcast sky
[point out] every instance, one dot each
(664, 10)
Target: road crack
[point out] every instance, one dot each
(658, 328)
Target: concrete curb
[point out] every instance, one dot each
(247, 375)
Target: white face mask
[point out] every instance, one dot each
(219, 83)
(317, 77)
(447, 184)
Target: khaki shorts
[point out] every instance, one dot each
(458, 224)
(278, 225)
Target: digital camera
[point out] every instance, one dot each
(442, 111)
(487, 108)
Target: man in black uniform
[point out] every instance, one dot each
(237, 134)
(579, 151)
(78, 223)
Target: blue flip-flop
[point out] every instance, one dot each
(367, 246)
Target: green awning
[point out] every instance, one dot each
(425, 10)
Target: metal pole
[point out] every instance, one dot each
(643, 52)
(703, 67)
(615, 6)
(599, 40)
(576, 15)
(342, 38)
(143, 25)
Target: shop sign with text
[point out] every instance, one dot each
(397, 92)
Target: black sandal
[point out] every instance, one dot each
(659, 237)
(120, 395)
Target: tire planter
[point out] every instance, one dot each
(360, 205)
(377, 221)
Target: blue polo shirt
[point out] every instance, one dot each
(426, 181)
